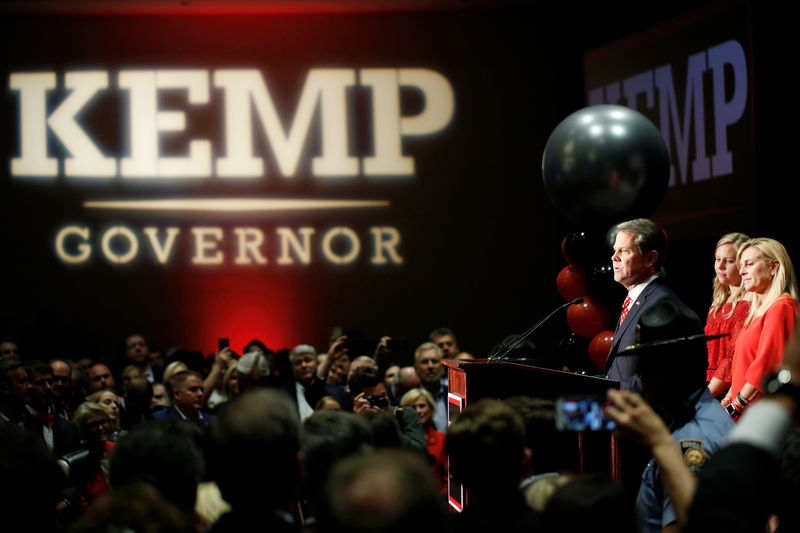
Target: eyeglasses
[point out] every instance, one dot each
(97, 423)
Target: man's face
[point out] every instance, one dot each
(303, 367)
(390, 375)
(630, 266)
(429, 366)
(9, 350)
(41, 391)
(19, 385)
(62, 379)
(188, 397)
(85, 364)
(100, 378)
(157, 359)
(448, 345)
(136, 349)
(338, 371)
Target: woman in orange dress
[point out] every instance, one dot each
(727, 313)
(422, 401)
(768, 277)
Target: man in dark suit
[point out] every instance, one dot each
(639, 250)
(309, 385)
(137, 354)
(186, 389)
(60, 435)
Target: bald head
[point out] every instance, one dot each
(409, 379)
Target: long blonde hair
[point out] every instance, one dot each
(723, 292)
(783, 282)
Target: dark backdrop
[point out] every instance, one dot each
(480, 241)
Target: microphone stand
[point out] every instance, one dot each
(497, 356)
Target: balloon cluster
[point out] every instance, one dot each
(602, 164)
(588, 274)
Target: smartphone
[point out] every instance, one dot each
(222, 343)
(586, 413)
(357, 347)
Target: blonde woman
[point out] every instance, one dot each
(95, 427)
(173, 368)
(422, 401)
(769, 279)
(109, 401)
(727, 313)
(128, 373)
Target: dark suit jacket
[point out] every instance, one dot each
(172, 412)
(623, 368)
(316, 389)
(65, 433)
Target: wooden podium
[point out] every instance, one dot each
(472, 380)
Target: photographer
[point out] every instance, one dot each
(369, 396)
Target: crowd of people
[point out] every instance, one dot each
(347, 439)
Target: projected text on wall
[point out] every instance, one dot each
(253, 142)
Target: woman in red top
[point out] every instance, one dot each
(95, 426)
(422, 401)
(727, 313)
(768, 277)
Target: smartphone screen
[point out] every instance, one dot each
(222, 343)
(582, 414)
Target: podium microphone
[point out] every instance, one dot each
(497, 356)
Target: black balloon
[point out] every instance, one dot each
(573, 351)
(604, 164)
(584, 248)
(601, 286)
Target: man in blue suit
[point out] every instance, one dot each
(187, 399)
(639, 250)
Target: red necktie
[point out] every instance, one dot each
(47, 419)
(625, 306)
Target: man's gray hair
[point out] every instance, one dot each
(251, 359)
(648, 236)
(425, 346)
(302, 349)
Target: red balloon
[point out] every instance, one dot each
(571, 282)
(587, 318)
(599, 347)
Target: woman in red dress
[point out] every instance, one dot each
(768, 277)
(727, 313)
(422, 401)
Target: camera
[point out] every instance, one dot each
(381, 402)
